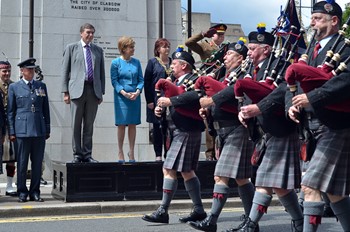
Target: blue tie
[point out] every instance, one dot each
(89, 64)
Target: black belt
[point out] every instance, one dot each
(220, 124)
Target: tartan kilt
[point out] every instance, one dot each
(328, 169)
(234, 161)
(183, 153)
(280, 166)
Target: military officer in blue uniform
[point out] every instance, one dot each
(29, 124)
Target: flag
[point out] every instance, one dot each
(285, 21)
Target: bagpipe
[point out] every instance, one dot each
(166, 88)
(257, 90)
(210, 71)
(218, 56)
(287, 30)
(310, 77)
(211, 86)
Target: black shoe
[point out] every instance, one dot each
(90, 160)
(159, 216)
(11, 194)
(243, 218)
(42, 181)
(76, 160)
(22, 199)
(249, 226)
(193, 217)
(36, 197)
(204, 225)
(328, 212)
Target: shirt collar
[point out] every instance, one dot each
(26, 82)
(84, 44)
(324, 41)
(181, 78)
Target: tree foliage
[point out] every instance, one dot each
(346, 15)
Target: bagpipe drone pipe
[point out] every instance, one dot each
(217, 56)
(310, 77)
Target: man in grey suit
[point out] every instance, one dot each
(83, 86)
(29, 124)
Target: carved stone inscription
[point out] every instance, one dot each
(109, 46)
(95, 9)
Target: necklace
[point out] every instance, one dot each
(166, 67)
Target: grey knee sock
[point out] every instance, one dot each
(220, 193)
(342, 210)
(246, 193)
(169, 189)
(193, 187)
(290, 202)
(260, 203)
(313, 212)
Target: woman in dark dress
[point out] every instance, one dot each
(158, 67)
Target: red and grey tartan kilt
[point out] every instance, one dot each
(183, 153)
(280, 166)
(234, 161)
(328, 169)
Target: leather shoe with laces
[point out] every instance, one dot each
(159, 216)
(193, 217)
(243, 218)
(249, 226)
(90, 160)
(36, 198)
(204, 225)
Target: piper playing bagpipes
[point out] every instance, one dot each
(279, 170)
(184, 150)
(232, 140)
(328, 169)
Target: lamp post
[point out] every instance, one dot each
(188, 20)
(31, 27)
(160, 29)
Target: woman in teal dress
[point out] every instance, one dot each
(127, 81)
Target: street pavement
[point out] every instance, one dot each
(9, 207)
